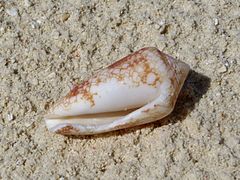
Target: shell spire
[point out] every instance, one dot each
(140, 88)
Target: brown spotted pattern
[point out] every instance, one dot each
(134, 68)
(67, 130)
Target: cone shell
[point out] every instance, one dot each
(138, 89)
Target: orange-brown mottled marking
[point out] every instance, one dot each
(131, 61)
(97, 81)
(67, 130)
(84, 90)
(74, 91)
(122, 126)
(125, 66)
(147, 71)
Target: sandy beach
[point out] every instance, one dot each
(47, 46)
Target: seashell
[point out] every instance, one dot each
(140, 88)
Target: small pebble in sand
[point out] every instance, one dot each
(29, 123)
(35, 24)
(27, 3)
(51, 75)
(211, 103)
(222, 69)
(216, 22)
(12, 11)
(162, 22)
(10, 117)
(2, 30)
(226, 63)
(65, 17)
(162, 27)
(157, 26)
(55, 34)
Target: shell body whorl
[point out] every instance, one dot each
(140, 88)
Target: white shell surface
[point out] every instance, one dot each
(140, 88)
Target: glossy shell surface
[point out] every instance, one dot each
(140, 88)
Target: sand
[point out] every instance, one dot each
(46, 47)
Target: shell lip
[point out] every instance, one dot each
(98, 115)
(121, 121)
